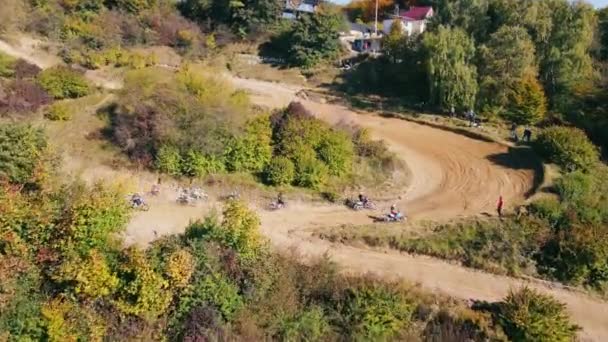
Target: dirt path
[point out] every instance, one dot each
(452, 176)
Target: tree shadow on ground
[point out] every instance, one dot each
(522, 158)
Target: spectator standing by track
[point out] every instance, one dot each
(499, 206)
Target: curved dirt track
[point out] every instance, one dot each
(452, 176)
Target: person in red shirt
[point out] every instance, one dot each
(499, 206)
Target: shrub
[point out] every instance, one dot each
(59, 111)
(91, 218)
(252, 151)
(23, 96)
(567, 147)
(240, 230)
(141, 291)
(21, 317)
(578, 255)
(23, 153)
(193, 164)
(310, 172)
(309, 325)
(280, 171)
(336, 151)
(527, 315)
(168, 160)
(179, 268)
(374, 311)
(548, 209)
(62, 82)
(216, 291)
(92, 277)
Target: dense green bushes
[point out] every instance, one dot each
(280, 171)
(23, 151)
(568, 147)
(527, 315)
(161, 118)
(63, 83)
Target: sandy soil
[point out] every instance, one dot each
(452, 176)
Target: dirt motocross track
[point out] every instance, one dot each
(451, 176)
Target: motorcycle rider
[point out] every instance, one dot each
(363, 199)
(394, 214)
(280, 200)
(137, 200)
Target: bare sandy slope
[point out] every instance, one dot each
(452, 176)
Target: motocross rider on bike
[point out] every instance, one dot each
(280, 200)
(394, 214)
(363, 199)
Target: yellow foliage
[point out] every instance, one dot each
(142, 291)
(212, 89)
(66, 321)
(57, 328)
(93, 277)
(366, 9)
(240, 229)
(179, 268)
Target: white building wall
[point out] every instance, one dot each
(408, 27)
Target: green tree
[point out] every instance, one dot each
(255, 15)
(314, 38)
(506, 59)
(22, 153)
(568, 147)
(468, 15)
(527, 315)
(394, 43)
(564, 57)
(527, 103)
(452, 76)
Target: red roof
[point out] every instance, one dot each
(417, 12)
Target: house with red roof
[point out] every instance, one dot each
(412, 21)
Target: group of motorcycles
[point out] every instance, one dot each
(186, 196)
(366, 204)
(192, 195)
